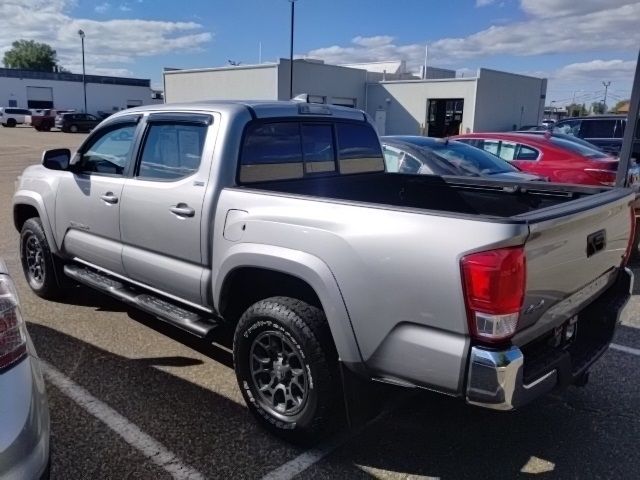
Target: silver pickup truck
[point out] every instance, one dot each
(277, 219)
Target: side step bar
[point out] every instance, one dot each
(163, 309)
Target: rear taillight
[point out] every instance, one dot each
(13, 336)
(494, 286)
(632, 239)
(602, 176)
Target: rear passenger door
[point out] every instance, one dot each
(161, 212)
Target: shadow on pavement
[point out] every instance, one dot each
(586, 432)
(208, 431)
(82, 296)
(583, 432)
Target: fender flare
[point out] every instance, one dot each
(306, 267)
(33, 199)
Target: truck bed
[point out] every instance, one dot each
(445, 217)
(466, 196)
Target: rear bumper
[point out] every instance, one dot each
(510, 378)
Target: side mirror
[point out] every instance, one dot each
(57, 159)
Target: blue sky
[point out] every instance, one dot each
(575, 43)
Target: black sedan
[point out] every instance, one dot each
(76, 122)
(438, 156)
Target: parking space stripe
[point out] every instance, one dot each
(624, 348)
(145, 444)
(307, 459)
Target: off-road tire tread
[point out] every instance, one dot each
(318, 347)
(51, 290)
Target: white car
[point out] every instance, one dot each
(10, 116)
(24, 412)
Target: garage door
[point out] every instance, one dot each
(39, 97)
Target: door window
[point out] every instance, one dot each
(391, 158)
(171, 151)
(507, 151)
(527, 153)
(597, 128)
(619, 131)
(109, 153)
(491, 146)
(408, 163)
(569, 127)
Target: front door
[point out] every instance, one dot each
(162, 205)
(88, 197)
(444, 117)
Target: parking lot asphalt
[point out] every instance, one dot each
(131, 397)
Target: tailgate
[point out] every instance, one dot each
(572, 253)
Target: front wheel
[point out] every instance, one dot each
(74, 129)
(287, 368)
(37, 262)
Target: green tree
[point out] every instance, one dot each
(30, 55)
(576, 110)
(598, 108)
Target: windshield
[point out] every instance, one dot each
(580, 149)
(469, 159)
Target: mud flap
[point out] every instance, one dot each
(364, 399)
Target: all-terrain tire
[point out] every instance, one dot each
(303, 328)
(38, 264)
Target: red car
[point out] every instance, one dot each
(558, 159)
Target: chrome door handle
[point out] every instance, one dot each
(182, 210)
(109, 197)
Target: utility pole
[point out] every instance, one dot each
(606, 88)
(426, 59)
(293, 11)
(84, 82)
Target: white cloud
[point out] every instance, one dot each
(375, 41)
(108, 43)
(612, 27)
(558, 8)
(103, 7)
(124, 8)
(598, 69)
(369, 49)
(484, 3)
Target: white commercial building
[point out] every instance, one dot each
(399, 102)
(31, 89)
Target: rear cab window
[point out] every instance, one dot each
(292, 149)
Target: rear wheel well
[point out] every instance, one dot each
(22, 213)
(245, 286)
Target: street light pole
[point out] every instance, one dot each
(293, 11)
(84, 82)
(606, 87)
